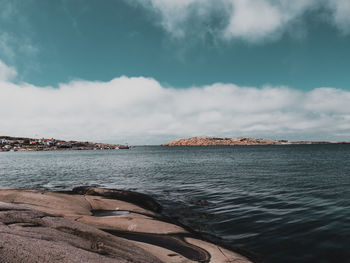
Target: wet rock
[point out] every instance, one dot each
(140, 199)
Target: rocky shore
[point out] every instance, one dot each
(97, 225)
(217, 141)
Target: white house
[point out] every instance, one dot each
(4, 141)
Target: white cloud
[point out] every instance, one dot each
(250, 20)
(15, 42)
(6, 72)
(341, 9)
(6, 49)
(141, 110)
(254, 20)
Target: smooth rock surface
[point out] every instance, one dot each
(44, 226)
(28, 235)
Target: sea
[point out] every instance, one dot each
(282, 203)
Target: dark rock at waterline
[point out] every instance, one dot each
(139, 199)
(173, 243)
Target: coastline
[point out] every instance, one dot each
(240, 141)
(141, 222)
(8, 143)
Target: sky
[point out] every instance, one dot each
(150, 71)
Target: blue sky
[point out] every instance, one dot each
(254, 51)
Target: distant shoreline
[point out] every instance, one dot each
(241, 141)
(22, 144)
(8, 143)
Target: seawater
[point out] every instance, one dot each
(285, 203)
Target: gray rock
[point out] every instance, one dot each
(28, 235)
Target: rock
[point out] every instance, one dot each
(140, 199)
(27, 235)
(61, 227)
(216, 141)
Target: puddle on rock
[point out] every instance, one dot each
(102, 213)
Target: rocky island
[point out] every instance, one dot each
(8, 143)
(218, 141)
(97, 225)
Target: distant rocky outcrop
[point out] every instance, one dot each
(218, 141)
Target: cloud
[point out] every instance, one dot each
(249, 20)
(341, 11)
(140, 110)
(7, 73)
(5, 48)
(15, 34)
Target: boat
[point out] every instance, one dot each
(124, 147)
